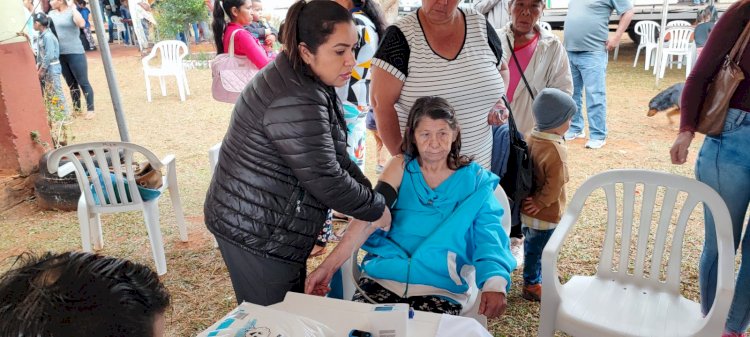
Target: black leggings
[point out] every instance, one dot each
(76, 73)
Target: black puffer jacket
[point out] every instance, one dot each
(283, 163)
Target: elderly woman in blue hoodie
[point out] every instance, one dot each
(445, 217)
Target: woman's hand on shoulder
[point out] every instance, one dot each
(492, 304)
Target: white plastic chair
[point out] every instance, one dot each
(351, 267)
(545, 25)
(678, 45)
(213, 159)
(649, 33)
(629, 297)
(172, 53)
(113, 195)
(678, 23)
(119, 27)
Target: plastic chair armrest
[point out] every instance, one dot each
(169, 162)
(65, 170)
(551, 284)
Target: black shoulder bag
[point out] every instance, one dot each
(518, 180)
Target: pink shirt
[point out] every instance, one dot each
(524, 54)
(245, 44)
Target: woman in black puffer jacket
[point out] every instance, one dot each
(283, 161)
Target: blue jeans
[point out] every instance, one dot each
(52, 76)
(589, 70)
(76, 72)
(724, 164)
(534, 241)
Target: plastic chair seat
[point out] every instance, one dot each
(637, 311)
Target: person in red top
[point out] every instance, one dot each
(724, 160)
(240, 14)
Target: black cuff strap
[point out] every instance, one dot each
(388, 192)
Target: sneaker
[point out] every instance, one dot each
(532, 292)
(90, 115)
(573, 135)
(516, 249)
(595, 143)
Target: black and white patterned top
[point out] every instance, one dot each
(471, 82)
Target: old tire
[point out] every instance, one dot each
(53, 192)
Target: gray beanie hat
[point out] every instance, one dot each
(552, 108)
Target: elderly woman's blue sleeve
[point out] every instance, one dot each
(491, 247)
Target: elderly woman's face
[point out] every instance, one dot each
(434, 138)
(524, 14)
(439, 11)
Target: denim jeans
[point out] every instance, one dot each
(76, 72)
(52, 77)
(534, 241)
(589, 70)
(724, 164)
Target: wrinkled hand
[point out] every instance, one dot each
(679, 150)
(612, 43)
(493, 304)
(498, 115)
(317, 283)
(530, 206)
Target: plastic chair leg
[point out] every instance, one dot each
(148, 88)
(85, 224)
(637, 53)
(180, 87)
(151, 216)
(187, 87)
(96, 231)
(163, 86)
(174, 194)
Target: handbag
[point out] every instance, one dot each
(714, 112)
(230, 74)
(518, 179)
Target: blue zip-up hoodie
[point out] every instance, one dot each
(436, 232)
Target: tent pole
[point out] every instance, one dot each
(662, 33)
(109, 71)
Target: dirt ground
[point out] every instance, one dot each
(197, 278)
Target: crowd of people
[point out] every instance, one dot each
(432, 87)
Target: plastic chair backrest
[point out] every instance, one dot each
(545, 25)
(679, 38)
(108, 157)
(503, 199)
(171, 51)
(678, 23)
(630, 264)
(648, 31)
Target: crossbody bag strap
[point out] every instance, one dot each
(739, 47)
(528, 87)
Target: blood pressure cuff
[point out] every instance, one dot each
(388, 192)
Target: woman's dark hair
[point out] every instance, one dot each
(222, 10)
(310, 23)
(436, 108)
(373, 11)
(79, 294)
(45, 21)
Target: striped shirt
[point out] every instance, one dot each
(471, 82)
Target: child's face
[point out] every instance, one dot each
(560, 130)
(38, 26)
(257, 11)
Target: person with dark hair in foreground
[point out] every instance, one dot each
(81, 294)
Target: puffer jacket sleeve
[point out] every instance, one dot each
(300, 129)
